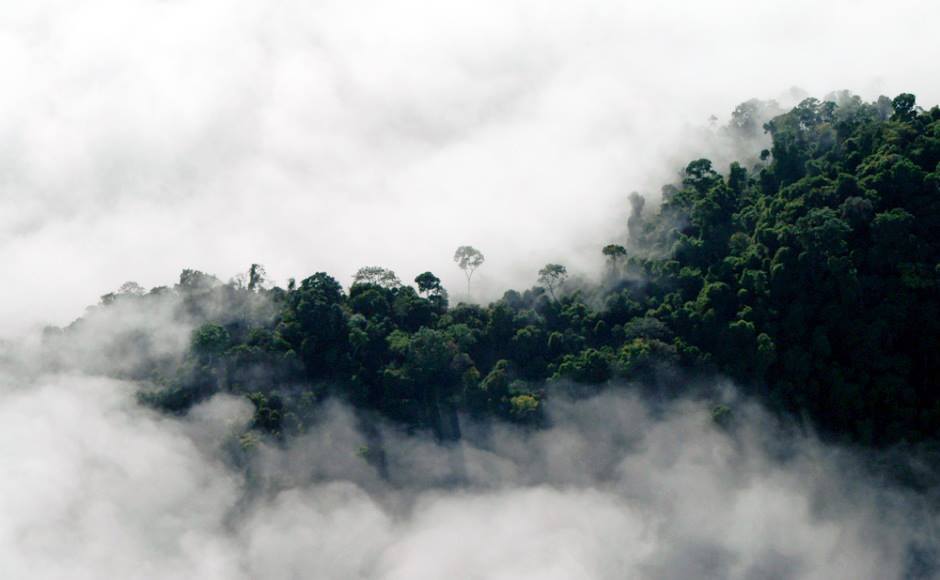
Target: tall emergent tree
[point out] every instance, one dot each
(468, 259)
(552, 276)
(615, 255)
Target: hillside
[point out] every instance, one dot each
(807, 274)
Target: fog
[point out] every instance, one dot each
(96, 486)
(142, 137)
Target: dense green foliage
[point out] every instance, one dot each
(809, 276)
(814, 279)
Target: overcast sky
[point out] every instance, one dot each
(141, 137)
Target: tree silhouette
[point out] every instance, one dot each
(468, 259)
(552, 276)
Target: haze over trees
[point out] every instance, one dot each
(808, 273)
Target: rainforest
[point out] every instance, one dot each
(512, 290)
(806, 273)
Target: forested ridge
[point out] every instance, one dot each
(808, 274)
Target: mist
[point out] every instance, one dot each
(143, 137)
(98, 487)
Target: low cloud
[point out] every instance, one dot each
(97, 486)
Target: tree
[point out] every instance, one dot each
(428, 284)
(635, 221)
(192, 280)
(376, 275)
(253, 280)
(314, 325)
(468, 259)
(700, 175)
(903, 106)
(131, 289)
(411, 311)
(428, 358)
(127, 289)
(523, 407)
(552, 276)
(588, 366)
(429, 364)
(209, 341)
(256, 277)
(615, 255)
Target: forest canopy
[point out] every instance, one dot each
(808, 273)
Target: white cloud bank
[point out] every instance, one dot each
(139, 137)
(96, 487)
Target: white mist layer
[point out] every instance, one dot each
(140, 137)
(96, 487)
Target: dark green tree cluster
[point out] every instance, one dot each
(810, 276)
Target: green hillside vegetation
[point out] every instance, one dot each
(808, 274)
